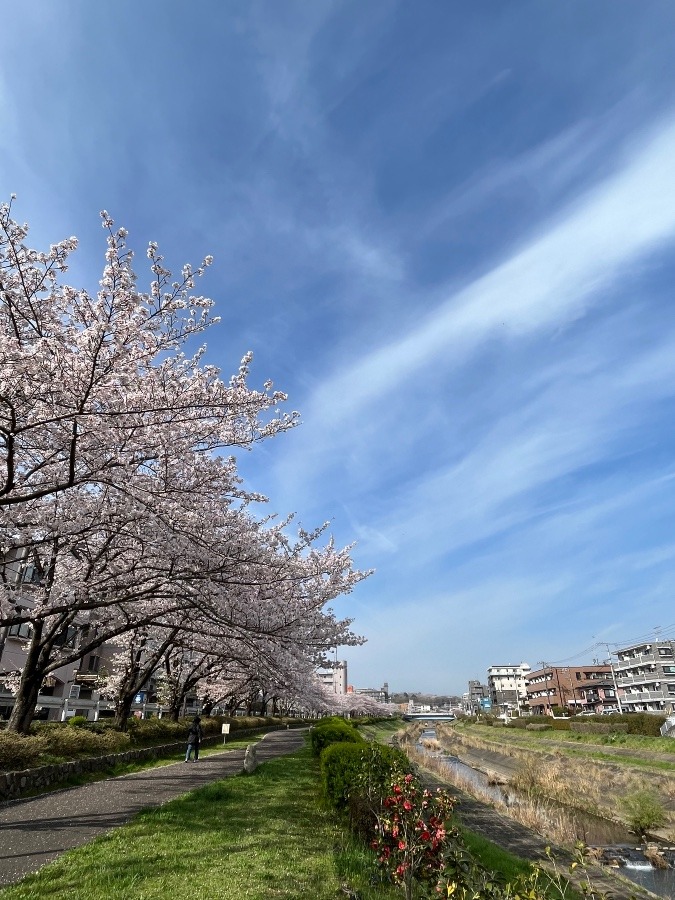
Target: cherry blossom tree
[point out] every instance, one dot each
(90, 386)
(114, 485)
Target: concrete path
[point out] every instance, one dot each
(37, 830)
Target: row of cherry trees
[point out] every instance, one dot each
(118, 486)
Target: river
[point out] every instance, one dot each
(619, 845)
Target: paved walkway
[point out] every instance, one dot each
(37, 830)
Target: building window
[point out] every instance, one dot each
(31, 574)
(22, 629)
(67, 637)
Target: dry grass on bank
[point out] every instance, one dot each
(538, 815)
(587, 784)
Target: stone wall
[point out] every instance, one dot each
(15, 784)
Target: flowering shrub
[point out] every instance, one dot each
(413, 834)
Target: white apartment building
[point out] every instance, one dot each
(507, 686)
(645, 677)
(334, 679)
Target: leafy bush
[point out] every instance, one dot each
(340, 767)
(77, 722)
(559, 724)
(646, 724)
(414, 837)
(349, 770)
(56, 743)
(333, 732)
(521, 723)
(595, 727)
(165, 731)
(535, 726)
(644, 810)
(73, 743)
(18, 752)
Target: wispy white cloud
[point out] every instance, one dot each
(545, 284)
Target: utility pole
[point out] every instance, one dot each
(548, 699)
(616, 687)
(561, 696)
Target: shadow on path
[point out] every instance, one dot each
(36, 830)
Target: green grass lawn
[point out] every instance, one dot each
(264, 836)
(578, 744)
(381, 731)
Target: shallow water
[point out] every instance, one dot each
(592, 830)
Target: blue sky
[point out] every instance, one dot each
(447, 231)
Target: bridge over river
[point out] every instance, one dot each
(429, 717)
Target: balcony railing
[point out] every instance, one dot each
(642, 696)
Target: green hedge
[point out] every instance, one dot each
(59, 743)
(349, 769)
(51, 742)
(646, 724)
(340, 766)
(333, 732)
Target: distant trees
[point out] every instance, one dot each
(114, 483)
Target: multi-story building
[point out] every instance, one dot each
(68, 690)
(334, 679)
(381, 695)
(477, 697)
(507, 686)
(645, 676)
(597, 696)
(574, 688)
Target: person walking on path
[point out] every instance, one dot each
(36, 830)
(195, 735)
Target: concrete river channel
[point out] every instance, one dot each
(620, 847)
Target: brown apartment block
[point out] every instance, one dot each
(577, 689)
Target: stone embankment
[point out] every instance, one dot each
(596, 778)
(513, 837)
(14, 785)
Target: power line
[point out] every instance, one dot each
(585, 652)
(657, 633)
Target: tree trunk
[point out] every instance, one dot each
(31, 681)
(176, 705)
(123, 704)
(25, 703)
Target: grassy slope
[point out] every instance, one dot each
(261, 837)
(647, 750)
